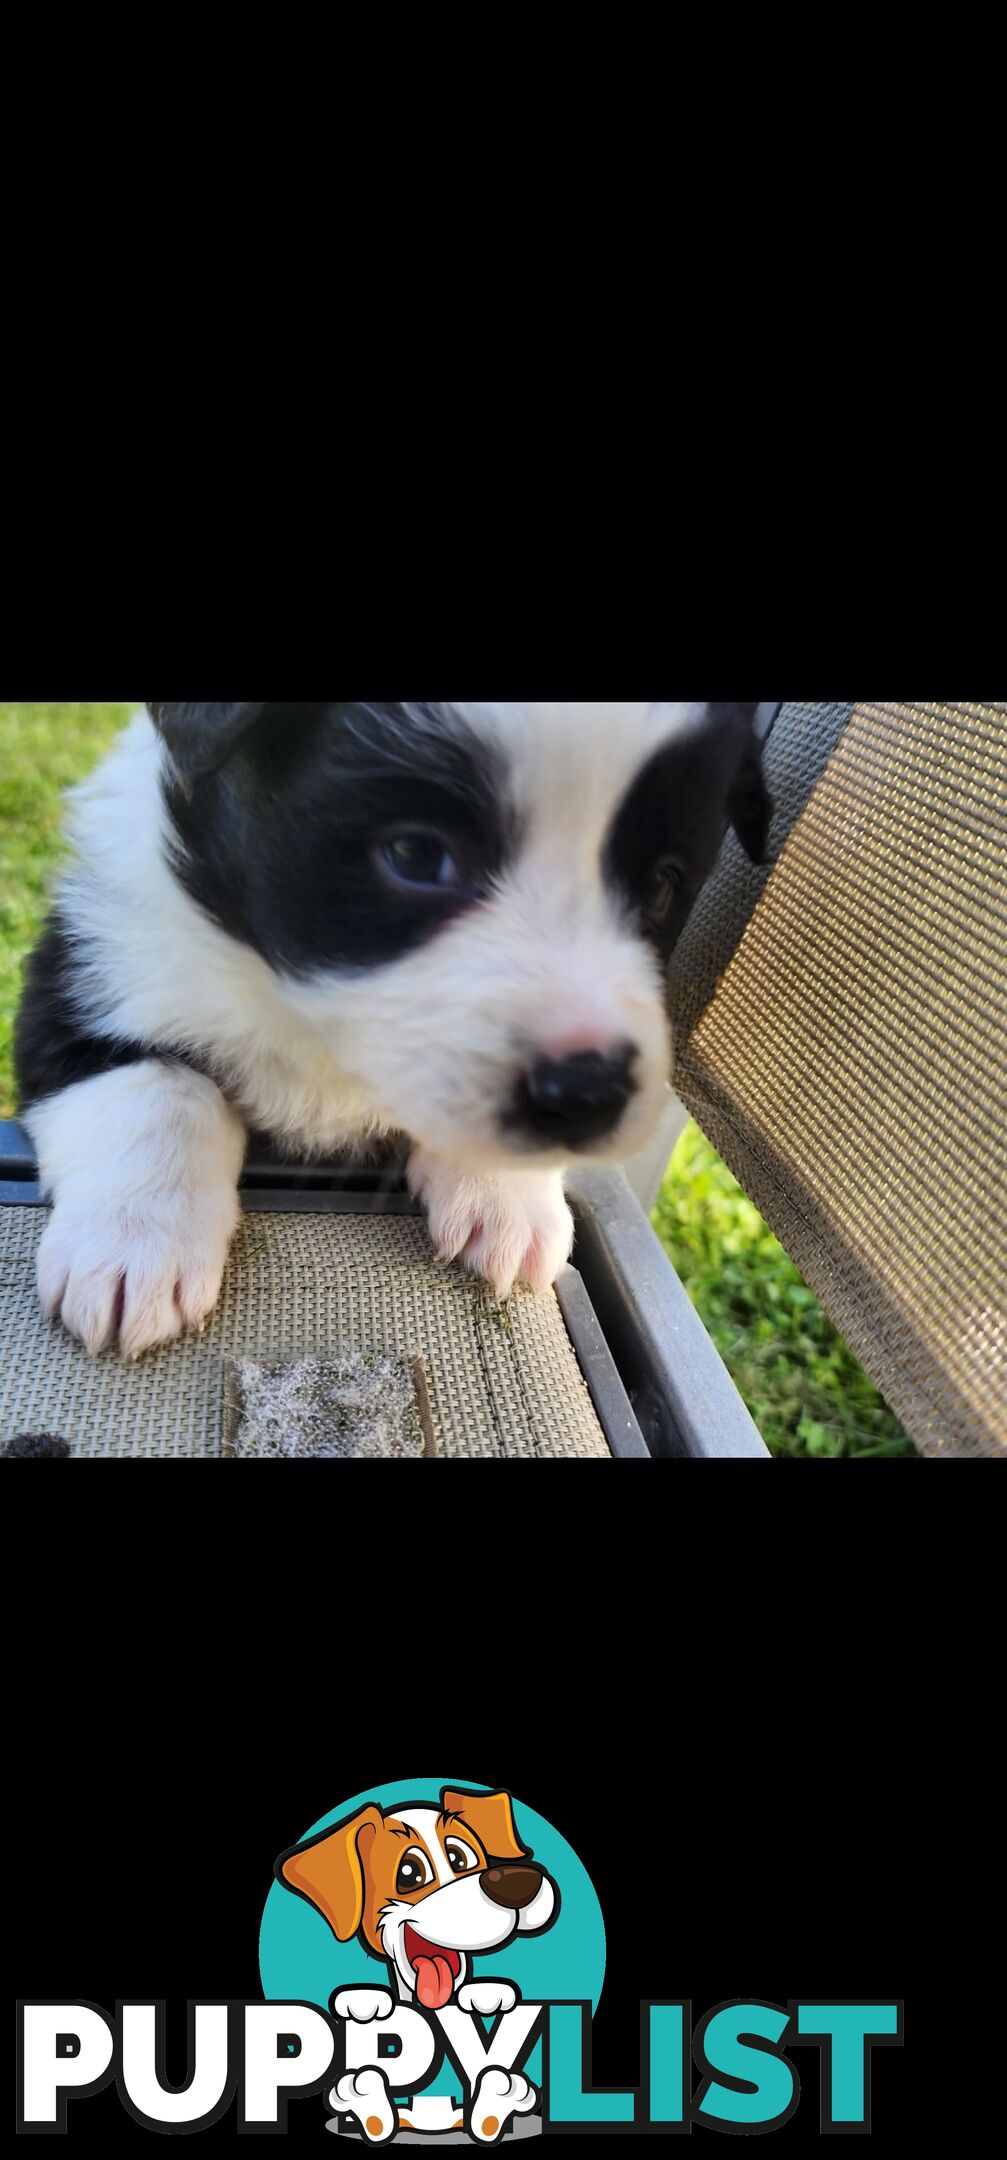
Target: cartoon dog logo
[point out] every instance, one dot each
(426, 1889)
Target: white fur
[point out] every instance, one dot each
(570, 765)
(498, 2095)
(486, 1998)
(427, 1820)
(142, 1162)
(432, 2113)
(365, 2094)
(534, 1915)
(504, 1228)
(363, 2004)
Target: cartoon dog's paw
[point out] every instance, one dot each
(364, 2094)
(486, 1997)
(138, 1271)
(512, 1228)
(362, 2004)
(498, 2095)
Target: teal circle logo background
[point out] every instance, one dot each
(301, 1961)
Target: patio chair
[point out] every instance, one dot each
(841, 1019)
(336, 1257)
(842, 1027)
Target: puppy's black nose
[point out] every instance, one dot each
(574, 1099)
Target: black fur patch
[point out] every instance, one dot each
(37, 1445)
(53, 1046)
(676, 815)
(201, 737)
(278, 846)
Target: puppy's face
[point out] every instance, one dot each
(419, 1887)
(474, 904)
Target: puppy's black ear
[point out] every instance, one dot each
(201, 737)
(749, 804)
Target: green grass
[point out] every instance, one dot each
(43, 749)
(803, 1386)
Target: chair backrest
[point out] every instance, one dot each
(842, 1040)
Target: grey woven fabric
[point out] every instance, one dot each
(503, 1381)
(841, 1023)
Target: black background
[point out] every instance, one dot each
(760, 1775)
(759, 1701)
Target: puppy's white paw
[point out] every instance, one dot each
(486, 1997)
(365, 2095)
(362, 2004)
(515, 1227)
(138, 1271)
(498, 2095)
(142, 1163)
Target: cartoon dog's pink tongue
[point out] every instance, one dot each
(436, 1969)
(433, 1982)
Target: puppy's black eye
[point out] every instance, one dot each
(420, 860)
(666, 888)
(414, 1871)
(460, 1857)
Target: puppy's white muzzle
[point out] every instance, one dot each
(430, 1944)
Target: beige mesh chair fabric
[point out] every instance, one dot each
(501, 1381)
(842, 1031)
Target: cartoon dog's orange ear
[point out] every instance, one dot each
(329, 1870)
(491, 1816)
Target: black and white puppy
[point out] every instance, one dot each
(332, 922)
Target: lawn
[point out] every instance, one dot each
(43, 749)
(803, 1386)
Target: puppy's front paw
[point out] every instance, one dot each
(365, 2094)
(140, 1272)
(511, 1228)
(363, 2004)
(142, 1163)
(487, 1997)
(498, 2095)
